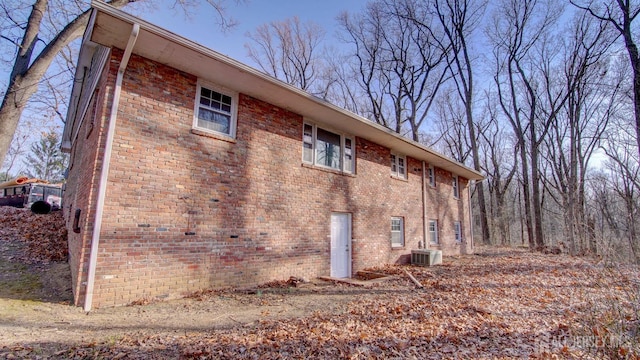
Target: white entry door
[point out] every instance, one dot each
(340, 245)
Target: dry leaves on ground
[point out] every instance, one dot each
(508, 304)
(501, 303)
(45, 235)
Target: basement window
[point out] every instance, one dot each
(457, 228)
(216, 110)
(433, 231)
(397, 232)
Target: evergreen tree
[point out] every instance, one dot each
(46, 161)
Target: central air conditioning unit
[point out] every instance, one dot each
(425, 257)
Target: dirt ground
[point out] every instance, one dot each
(35, 307)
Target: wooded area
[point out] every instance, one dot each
(542, 96)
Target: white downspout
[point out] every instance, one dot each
(104, 173)
(424, 206)
(470, 206)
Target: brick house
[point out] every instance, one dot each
(190, 170)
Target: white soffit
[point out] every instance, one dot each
(112, 28)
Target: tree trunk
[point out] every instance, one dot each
(536, 201)
(634, 57)
(16, 97)
(26, 74)
(526, 194)
(484, 223)
(468, 101)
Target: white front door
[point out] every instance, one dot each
(340, 245)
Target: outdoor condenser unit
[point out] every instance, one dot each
(425, 257)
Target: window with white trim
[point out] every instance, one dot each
(432, 176)
(215, 110)
(327, 149)
(398, 165)
(457, 229)
(456, 189)
(397, 232)
(433, 231)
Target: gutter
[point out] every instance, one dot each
(104, 173)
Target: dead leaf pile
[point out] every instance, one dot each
(508, 305)
(45, 235)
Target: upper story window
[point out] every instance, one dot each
(432, 175)
(398, 165)
(327, 149)
(456, 187)
(216, 110)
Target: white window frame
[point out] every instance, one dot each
(395, 160)
(457, 230)
(344, 155)
(456, 187)
(433, 232)
(400, 231)
(432, 176)
(233, 113)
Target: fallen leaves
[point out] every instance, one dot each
(45, 235)
(501, 304)
(478, 307)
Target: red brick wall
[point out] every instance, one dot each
(257, 212)
(443, 206)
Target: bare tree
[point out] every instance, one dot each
(36, 34)
(459, 19)
(288, 50)
(451, 126)
(500, 163)
(400, 66)
(338, 78)
(576, 132)
(621, 14)
(615, 195)
(518, 27)
(623, 180)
